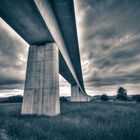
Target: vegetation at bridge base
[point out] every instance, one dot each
(12, 99)
(136, 97)
(104, 97)
(63, 99)
(78, 121)
(18, 99)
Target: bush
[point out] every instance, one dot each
(136, 97)
(104, 97)
(63, 99)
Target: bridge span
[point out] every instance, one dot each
(49, 27)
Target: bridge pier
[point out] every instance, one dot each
(89, 98)
(75, 95)
(41, 93)
(82, 97)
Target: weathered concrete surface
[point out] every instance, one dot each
(83, 97)
(41, 94)
(87, 98)
(75, 94)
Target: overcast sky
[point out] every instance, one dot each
(109, 42)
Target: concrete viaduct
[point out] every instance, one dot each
(49, 27)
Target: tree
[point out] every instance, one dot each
(122, 94)
(104, 97)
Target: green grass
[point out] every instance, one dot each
(78, 121)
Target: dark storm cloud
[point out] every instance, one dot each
(118, 78)
(13, 53)
(110, 41)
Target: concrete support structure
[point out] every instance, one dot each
(77, 95)
(86, 98)
(41, 94)
(82, 97)
(74, 93)
(89, 98)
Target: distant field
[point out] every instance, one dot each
(78, 121)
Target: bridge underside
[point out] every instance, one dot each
(25, 18)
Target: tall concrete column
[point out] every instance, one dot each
(87, 98)
(80, 96)
(75, 94)
(41, 93)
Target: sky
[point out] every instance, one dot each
(109, 43)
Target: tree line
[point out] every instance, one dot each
(121, 95)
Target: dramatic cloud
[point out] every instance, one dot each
(109, 38)
(13, 57)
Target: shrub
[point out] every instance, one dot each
(136, 97)
(104, 97)
(63, 99)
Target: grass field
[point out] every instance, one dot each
(78, 121)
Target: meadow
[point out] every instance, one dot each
(78, 121)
